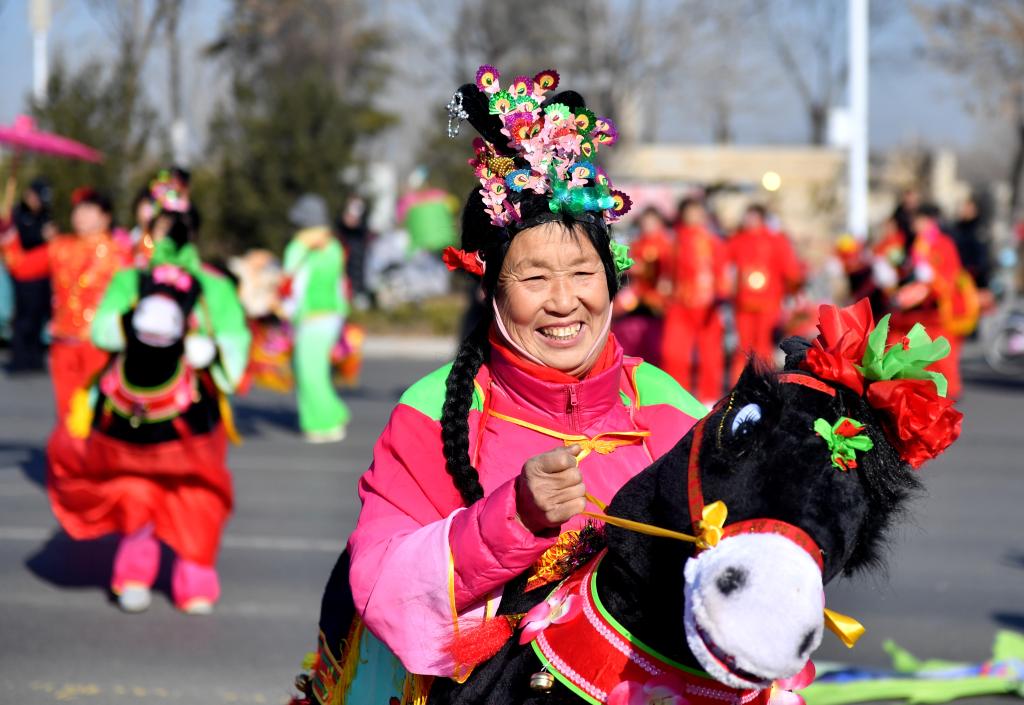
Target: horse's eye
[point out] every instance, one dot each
(745, 418)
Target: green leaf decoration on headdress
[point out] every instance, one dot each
(186, 256)
(620, 253)
(907, 359)
(844, 439)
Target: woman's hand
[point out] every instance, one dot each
(550, 490)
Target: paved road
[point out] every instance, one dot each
(956, 572)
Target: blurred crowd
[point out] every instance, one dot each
(702, 298)
(52, 284)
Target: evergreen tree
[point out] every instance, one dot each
(103, 108)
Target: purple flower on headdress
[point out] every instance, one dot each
(606, 137)
(487, 78)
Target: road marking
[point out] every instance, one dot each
(70, 692)
(303, 609)
(232, 541)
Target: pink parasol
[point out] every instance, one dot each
(23, 136)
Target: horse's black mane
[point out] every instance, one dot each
(887, 479)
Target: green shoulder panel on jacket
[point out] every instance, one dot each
(655, 386)
(427, 395)
(119, 298)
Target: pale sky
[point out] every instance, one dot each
(910, 102)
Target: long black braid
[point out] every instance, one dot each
(458, 398)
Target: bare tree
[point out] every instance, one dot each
(983, 42)
(808, 38)
(134, 27)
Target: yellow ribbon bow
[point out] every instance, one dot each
(710, 527)
(848, 629)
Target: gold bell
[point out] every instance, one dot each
(542, 681)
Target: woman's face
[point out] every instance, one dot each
(89, 219)
(553, 297)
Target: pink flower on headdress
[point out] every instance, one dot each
(559, 608)
(666, 689)
(569, 143)
(175, 277)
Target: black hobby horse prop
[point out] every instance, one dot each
(792, 479)
(706, 584)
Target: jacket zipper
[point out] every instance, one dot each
(573, 409)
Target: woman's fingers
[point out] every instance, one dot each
(550, 489)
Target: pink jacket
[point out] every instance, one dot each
(422, 565)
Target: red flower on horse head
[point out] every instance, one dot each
(922, 424)
(839, 348)
(851, 350)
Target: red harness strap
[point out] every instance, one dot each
(695, 492)
(592, 654)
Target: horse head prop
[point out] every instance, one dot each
(153, 390)
(707, 581)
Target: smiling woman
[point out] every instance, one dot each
(553, 302)
(486, 465)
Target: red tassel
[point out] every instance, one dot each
(477, 644)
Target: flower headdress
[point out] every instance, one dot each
(543, 147)
(918, 418)
(167, 195)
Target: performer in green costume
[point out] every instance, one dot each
(314, 263)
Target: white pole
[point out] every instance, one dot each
(857, 213)
(39, 14)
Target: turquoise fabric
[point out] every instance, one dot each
(6, 303)
(379, 676)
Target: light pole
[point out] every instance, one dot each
(857, 205)
(39, 16)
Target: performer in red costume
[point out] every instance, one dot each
(80, 267)
(920, 274)
(692, 323)
(766, 269)
(639, 307)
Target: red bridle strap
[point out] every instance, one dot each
(773, 526)
(695, 492)
(807, 381)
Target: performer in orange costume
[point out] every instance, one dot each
(640, 304)
(766, 269)
(80, 267)
(920, 275)
(692, 322)
(652, 251)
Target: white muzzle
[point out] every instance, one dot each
(753, 609)
(158, 321)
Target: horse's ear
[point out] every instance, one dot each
(796, 350)
(756, 380)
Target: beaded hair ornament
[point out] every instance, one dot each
(551, 146)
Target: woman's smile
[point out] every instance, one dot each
(561, 335)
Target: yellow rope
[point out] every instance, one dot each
(602, 443)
